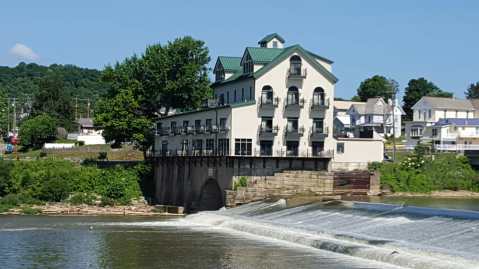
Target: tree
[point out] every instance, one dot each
(416, 89)
(377, 86)
(36, 131)
(144, 88)
(52, 100)
(473, 91)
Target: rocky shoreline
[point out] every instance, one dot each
(437, 194)
(65, 209)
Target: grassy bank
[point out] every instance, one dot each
(421, 173)
(24, 183)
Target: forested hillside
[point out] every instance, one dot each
(24, 79)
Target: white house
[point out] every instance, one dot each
(455, 134)
(274, 100)
(430, 110)
(374, 118)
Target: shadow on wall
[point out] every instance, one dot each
(211, 197)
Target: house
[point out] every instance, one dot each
(374, 118)
(430, 110)
(342, 121)
(273, 101)
(88, 133)
(455, 134)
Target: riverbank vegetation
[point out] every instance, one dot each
(423, 173)
(36, 182)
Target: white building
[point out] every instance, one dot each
(374, 118)
(274, 100)
(429, 111)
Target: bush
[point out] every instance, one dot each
(102, 155)
(5, 168)
(30, 211)
(444, 172)
(242, 181)
(36, 131)
(82, 199)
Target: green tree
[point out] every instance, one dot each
(473, 91)
(52, 100)
(377, 86)
(36, 131)
(164, 77)
(416, 89)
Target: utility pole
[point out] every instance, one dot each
(8, 115)
(14, 124)
(394, 125)
(76, 108)
(88, 109)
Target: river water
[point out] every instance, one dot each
(259, 235)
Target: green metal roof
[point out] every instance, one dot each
(263, 55)
(230, 63)
(270, 37)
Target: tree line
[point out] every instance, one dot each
(380, 86)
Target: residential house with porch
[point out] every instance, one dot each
(376, 118)
(273, 100)
(441, 121)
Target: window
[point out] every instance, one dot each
(445, 112)
(292, 125)
(424, 113)
(243, 147)
(456, 113)
(159, 128)
(164, 148)
(221, 101)
(275, 44)
(234, 98)
(184, 146)
(242, 95)
(434, 132)
(267, 124)
(318, 147)
(293, 96)
(416, 131)
(223, 147)
(222, 123)
(429, 114)
(197, 124)
(248, 65)
(266, 147)
(173, 125)
(210, 145)
(292, 148)
(318, 126)
(185, 125)
(340, 148)
(267, 95)
(228, 97)
(220, 74)
(295, 65)
(197, 146)
(208, 124)
(251, 93)
(318, 97)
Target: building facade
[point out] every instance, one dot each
(275, 100)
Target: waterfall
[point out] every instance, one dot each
(410, 237)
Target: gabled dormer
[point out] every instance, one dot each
(272, 41)
(226, 66)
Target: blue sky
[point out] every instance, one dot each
(436, 39)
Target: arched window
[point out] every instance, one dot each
(267, 95)
(295, 65)
(318, 97)
(293, 96)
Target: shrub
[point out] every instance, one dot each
(43, 154)
(30, 211)
(102, 155)
(36, 131)
(82, 198)
(242, 181)
(5, 169)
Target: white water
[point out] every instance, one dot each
(409, 237)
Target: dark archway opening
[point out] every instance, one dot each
(211, 197)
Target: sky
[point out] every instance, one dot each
(435, 39)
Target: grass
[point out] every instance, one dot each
(30, 210)
(83, 152)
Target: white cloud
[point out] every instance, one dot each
(23, 52)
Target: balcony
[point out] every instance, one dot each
(212, 129)
(188, 130)
(269, 102)
(224, 129)
(200, 129)
(178, 130)
(318, 104)
(293, 133)
(268, 133)
(297, 73)
(319, 134)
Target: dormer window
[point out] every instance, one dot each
(275, 44)
(220, 74)
(248, 65)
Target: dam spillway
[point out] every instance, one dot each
(400, 235)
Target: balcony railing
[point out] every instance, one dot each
(295, 104)
(293, 133)
(200, 129)
(319, 104)
(269, 102)
(319, 133)
(297, 73)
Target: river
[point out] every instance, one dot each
(258, 235)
